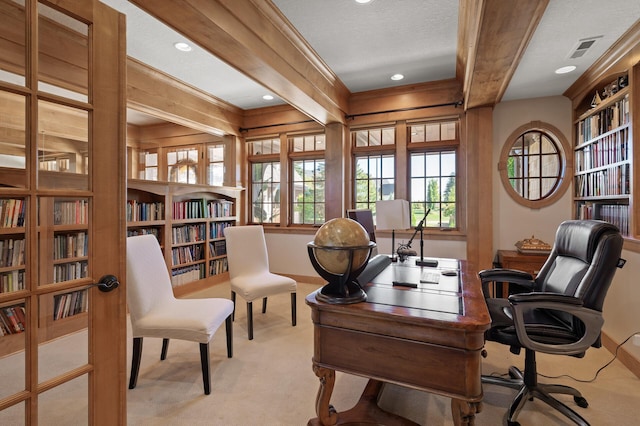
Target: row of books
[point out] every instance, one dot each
(74, 212)
(617, 214)
(138, 211)
(12, 320)
(201, 209)
(69, 304)
(187, 254)
(613, 116)
(612, 148)
(188, 233)
(12, 281)
(181, 276)
(218, 266)
(611, 181)
(12, 252)
(70, 271)
(12, 211)
(132, 232)
(217, 229)
(70, 245)
(217, 248)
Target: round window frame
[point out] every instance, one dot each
(566, 164)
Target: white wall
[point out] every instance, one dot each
(511, 221)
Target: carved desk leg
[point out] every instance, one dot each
(464, 413)
(327, 415)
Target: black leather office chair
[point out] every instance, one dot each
(558, 312)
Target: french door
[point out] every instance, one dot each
(62, 228)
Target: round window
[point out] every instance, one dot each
(533, 165)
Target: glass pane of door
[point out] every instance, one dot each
(12, 40)
(12, 140)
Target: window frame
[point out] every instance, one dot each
(315, 153)
(440, 146)
(564, 173)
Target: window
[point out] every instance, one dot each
(533, 163)
(264, 158)
(374, 166)
(215, 166)
(433, 173)
(183, 165)
(148, 161)
(433, 188)
(308, 179)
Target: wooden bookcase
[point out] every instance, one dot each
(188, 221)
(603, 154)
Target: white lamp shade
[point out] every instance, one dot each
(392, 214)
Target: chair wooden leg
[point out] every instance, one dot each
(250, 319)
(264, 305)
(135, 361)
(165, 347)
(229, 330)
(233, 299)
(206, 374)
(294, 314)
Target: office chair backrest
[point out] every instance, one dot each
(246, 250)
(148, 282)
(583, 261)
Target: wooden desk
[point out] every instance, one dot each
(512, 259)
(428, 338)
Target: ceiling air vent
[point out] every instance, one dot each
(583, 46)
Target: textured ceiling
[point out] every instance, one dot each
(365, 44)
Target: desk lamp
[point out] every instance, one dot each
(392, 214)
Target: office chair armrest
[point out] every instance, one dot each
(521, 304)
(522, 280)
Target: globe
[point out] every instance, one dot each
(341, 233)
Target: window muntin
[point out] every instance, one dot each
(182, 164)
(374, 137)
(148, 161)
(533, 165)
(435, 131)
(308, 189)
(433, 186)
(215, 164)
(264, 147)
(307, 143)
(374, 179)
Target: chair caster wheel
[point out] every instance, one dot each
(581, 401)
(512, 423)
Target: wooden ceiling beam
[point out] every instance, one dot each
(492, 37)
(256, 39)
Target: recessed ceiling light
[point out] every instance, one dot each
(267, 97)
(363, 1)
(397, 77)
(564, 70)
(184, 47)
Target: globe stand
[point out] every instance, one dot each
(341, 288)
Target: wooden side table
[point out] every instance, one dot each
(512, 259)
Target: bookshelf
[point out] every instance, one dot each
(188, 221)
(603, 154)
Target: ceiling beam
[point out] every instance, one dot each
(492, 37)
(257, 40)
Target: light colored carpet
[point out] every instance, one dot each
(269, 381)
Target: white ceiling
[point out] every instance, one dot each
(365, 44)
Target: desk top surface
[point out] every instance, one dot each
(456, 300)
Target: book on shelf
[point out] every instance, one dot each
(69, 304)
(187, 274)
(142, 211)
(218, 248)
(74, 212)
(12, 319)
(12, 252)
(12, 212)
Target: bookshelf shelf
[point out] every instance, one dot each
(194, 219)
(603, 156)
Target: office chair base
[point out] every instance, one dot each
(540, 391)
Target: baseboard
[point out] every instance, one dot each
(625, 357)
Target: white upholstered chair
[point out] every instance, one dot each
(155, 312)
(249, 271)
